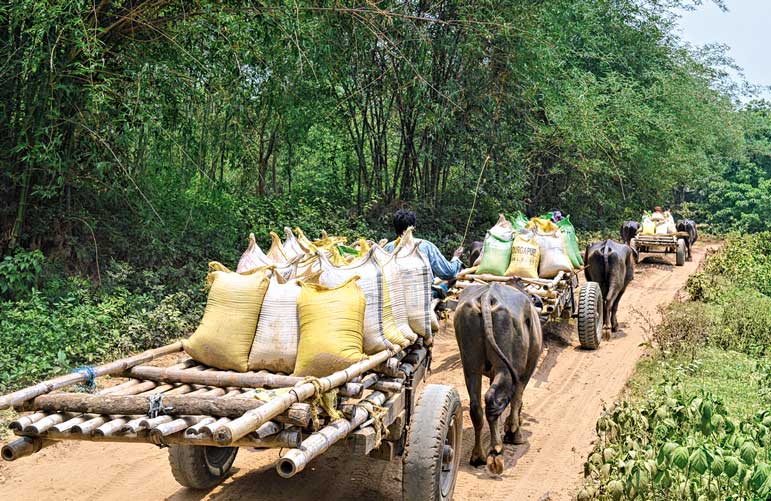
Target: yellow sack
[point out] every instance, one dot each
(542, 225)
(525, 256)
(331, 328)
(276, 251)
(363, 247)
(648, 226)
(303, 241)
(225, 335)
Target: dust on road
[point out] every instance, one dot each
(562, 403)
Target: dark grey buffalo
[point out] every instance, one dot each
(499, 336)
(689, 227)
(628, 231)
(610, 264)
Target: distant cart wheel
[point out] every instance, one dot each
(434, 445)
(590, 315)
(200, 466)
(680, 253)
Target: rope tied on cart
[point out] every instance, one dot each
(376, 414)
(156, 406)
(326, 401)
(90, 374)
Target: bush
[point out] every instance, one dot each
(19, 273)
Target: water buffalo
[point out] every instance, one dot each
(628, 231)
(499, 336)
(610, 264)
(689, 227)
(475, 252)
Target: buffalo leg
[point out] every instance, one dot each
(616, 301)
(496, 400)
(474, 387)
(513, 428)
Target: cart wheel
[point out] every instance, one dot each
(434, 445)
(680, 253)
(590, 315)
(200, 466)
(633, 245)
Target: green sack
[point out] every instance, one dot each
(345, 250)
(571, 241)
(496, 255)
(520, 221)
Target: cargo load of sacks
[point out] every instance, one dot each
(658, 223)
(306, 309)
(535, 248)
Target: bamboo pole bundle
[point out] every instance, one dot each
(174, 426)
(139, 404)
(283, 439)
(47, 422)
(295, 460)
(118, 366)
(253, 419)
(25, 421)
(196, 428)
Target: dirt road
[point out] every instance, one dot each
(562, 403)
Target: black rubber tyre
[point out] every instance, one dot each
(680, 253)
(434, 446)
(590, 315)
(200, 466)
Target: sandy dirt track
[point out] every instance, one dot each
(562, 403)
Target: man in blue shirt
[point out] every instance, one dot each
(440, 267)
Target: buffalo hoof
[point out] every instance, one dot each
(495, 464)
(513, 438)
(477, 462)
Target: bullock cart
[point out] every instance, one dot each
(671, 243)
(557, 300)
(376, 407)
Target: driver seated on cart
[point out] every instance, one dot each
(658, 214)
(440, 266)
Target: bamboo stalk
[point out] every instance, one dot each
(295, 460)
(283, 439)
(174, 426)
(118, 366)
(196, 428)
(267, 429)
(389, 386)
(46, 423)
(215, 377)
(22, 446)
(253, 419)
(25, 421)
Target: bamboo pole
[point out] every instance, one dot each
(139, 404)
(118, 366)
(25, 421)
(22, 446)
(283, 439)
(196, 428)
(213, 377)
(295, 460)
(253, 419)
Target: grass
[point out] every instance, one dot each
(736, 378)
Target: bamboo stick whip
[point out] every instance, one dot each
(118, 366)
(295, 460)
(253, 419)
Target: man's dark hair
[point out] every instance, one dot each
(403, 219)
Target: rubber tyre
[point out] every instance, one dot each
(590, 315)
(428, 473)
(680, 253)
(200, 466)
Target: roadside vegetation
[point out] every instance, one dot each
(696, 423)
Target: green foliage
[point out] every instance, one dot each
(71, 323)
(679, 445)
(20, 272)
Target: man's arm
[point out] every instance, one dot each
(440, 266)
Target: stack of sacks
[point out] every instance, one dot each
(571, 241)
(496, 253)
(554, 254)
(380, 329)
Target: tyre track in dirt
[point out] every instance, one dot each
(561, 405)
